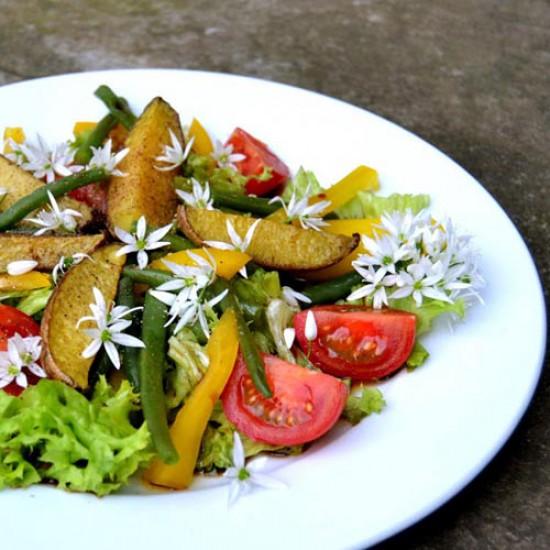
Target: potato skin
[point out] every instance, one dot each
(144, 190)
(20, 183)
(44, 249)
(63, 343)
(274, 245)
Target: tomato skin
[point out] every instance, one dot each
(304, 406)
(94, 195)
(258, 156)
(358, 342)
(13, 321)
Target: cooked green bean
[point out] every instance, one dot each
(151, 372)
(117, 106)
(129, 355)
(151, 277)
(177, 242)
(95, 138)
(335, 289)
(39, 197)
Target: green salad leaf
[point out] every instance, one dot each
(35, 301)
(369, 205)
(418, 356)
(364, 401)
(204, 169)
(53, 433)
(304, 183)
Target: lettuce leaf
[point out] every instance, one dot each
(304, 182)
(360, 405)
(418, 356)
(217, 444)
(53, 433)
(35, 301)
(369, 205)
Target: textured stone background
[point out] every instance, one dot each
(470, 76)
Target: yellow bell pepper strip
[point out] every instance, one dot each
(191, 421)
(80, 127)
(344, 227)
(362, 178)
(26, 281)
(15, 133)
(202, 144)
(228, 262)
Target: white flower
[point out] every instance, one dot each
(174, 155)
(140, 241)
(377, 281)
(420, 280)
(54, 218)
(244, 478)
(21, 353)
(237, 242)
(301, 210)
(102, 157)
(292, 297)
(66, 263)
(21, 266)
(289, 335)
(43, 162)
(384, 251)
(310, 330)
(16, 155)
(224, 155)
(199, 198)
(404, 226)
(110, 324)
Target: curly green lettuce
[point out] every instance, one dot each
(363, 402)
(368, 205)
(53, 433)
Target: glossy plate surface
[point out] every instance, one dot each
(442, 424)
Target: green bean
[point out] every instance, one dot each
(177, 242)
(151, 372)
(249, 349)
(151, 277)
(95, 138)
(117, 106)
(335, 289)
(17, 211)
(129, 355)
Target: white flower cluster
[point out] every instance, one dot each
(411, 255)
(189, 304)
(22, 353)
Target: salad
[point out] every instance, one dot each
(173, 306)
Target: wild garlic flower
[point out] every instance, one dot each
(310, 330)
(55, 218)
(111, 322)
(103, 157)
(289, 335)
(244, 477)
(225, 157)
(141, 241)
(22, 353)
(199, 198)
(299, 209)
(65, 263)
(413, 256)
(20, 267)
(292, 297)
(174, 155)
(238, 243)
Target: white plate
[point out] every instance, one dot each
(443, 423)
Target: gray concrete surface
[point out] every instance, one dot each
(470, 76)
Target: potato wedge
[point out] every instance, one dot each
(144, 190)
(44, 249)
(20, 183)
(63, 343)
(274, 245)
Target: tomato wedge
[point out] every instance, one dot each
(362, 343)
(13, 321)
(94, 195)
(304, 406)
(258, 157)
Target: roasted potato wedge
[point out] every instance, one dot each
(63, 343)
(20, 183)
(44, 249)
(274, 245)
(144, 190)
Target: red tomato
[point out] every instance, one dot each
(13, 321)
(359, 342)
(258, 157)
(94, 195)
(304, 406)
